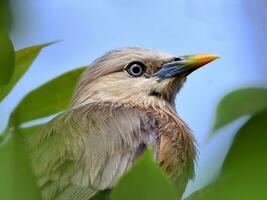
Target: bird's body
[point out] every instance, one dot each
(114, 117)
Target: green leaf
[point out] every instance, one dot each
(50, 98)
(23, 60)
(5, 17)
(206, 193)
(7, 59)
(28, 131)
(145, 180)
(243, 175)
(102, 195)
(17, 180)
(240, 103)
(25, 132)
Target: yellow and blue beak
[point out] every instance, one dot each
(184, 65)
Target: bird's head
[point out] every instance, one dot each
(137, 76)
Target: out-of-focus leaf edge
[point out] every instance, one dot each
(6, 89)
(13, 121)
(223, 113)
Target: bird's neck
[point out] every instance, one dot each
(176, 151)
(177, 145)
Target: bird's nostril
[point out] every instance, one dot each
(177, 59)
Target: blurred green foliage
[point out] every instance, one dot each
(247, 101)
(242, 176)
(5, 16)
(7, 59)
(146, 180)
(23, 60)
(36, 104)
(17, 180)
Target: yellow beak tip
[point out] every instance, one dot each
(203, 59)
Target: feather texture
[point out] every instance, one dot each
(88, 148)
(113, 118)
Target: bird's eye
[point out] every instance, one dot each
(136, 69)
(177, 59)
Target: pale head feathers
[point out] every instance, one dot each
(106, 80)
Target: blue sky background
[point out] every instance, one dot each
(234, 29)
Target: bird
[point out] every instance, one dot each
(123, 103)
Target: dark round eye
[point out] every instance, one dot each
(136, 69)
(177, 59)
